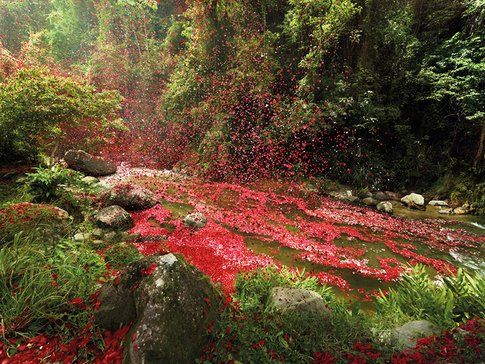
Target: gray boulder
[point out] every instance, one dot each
(131, 197)
(196, 220)
(462, 210)
(413, 201)
(393, 196)
(370, 201)
(385, 206)
(381, 196)
(284, 299)
(88, 164)
(438, 203)
(171, 304)
(406, 336)
(114, 217)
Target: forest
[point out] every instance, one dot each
(242, 181)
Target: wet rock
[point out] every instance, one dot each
(285, 299)
(438, 203)
(114, 217)
(462, 210)
(131, 197)
(385, 206)
(196, 220)
(381, 196)
(413, 201)
(406, 336)
(370, 201)
(446, 211)
(88, 164)
(175, 306)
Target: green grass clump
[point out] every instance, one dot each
(38, 281)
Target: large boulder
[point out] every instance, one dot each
(196, 220)
(172, 305)
(406, 336)
(385, 206)
(131, 197)
(284, 299)
(114, 217)
(88, 164)
(413, 201)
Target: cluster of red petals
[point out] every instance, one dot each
(331, 235)
(42, 349)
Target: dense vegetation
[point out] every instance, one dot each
(373, 93)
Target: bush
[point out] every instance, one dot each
(37, 107)
(60, 186)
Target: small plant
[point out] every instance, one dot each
(418, 297)
(48, 184)
(60, 186)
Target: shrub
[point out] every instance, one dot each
(60, 186)
(37, 107)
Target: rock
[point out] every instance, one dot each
(438, 203)
(381, 196)
(98, 233)
(90, 180)
(385, 206)
(88, 164)
(344, 196)
(196, 220)
(114, 217)
(446, 211)
(130, 238)
(413, 201)
(285, 299)
(110, 236)
(393, 196)
(82, 237)
(370, 201)
(462, 210)
(172, 305)
(131, 197)
(406, 336)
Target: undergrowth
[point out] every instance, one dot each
(250, 331)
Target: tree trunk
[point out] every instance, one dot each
(479, 156)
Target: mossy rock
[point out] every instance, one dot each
(172, 305)
(48, 222)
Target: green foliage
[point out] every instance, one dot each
(119, 256)
(38, 281)
(417, 297)
(35, 104)
(60, 186)
(48, 184)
